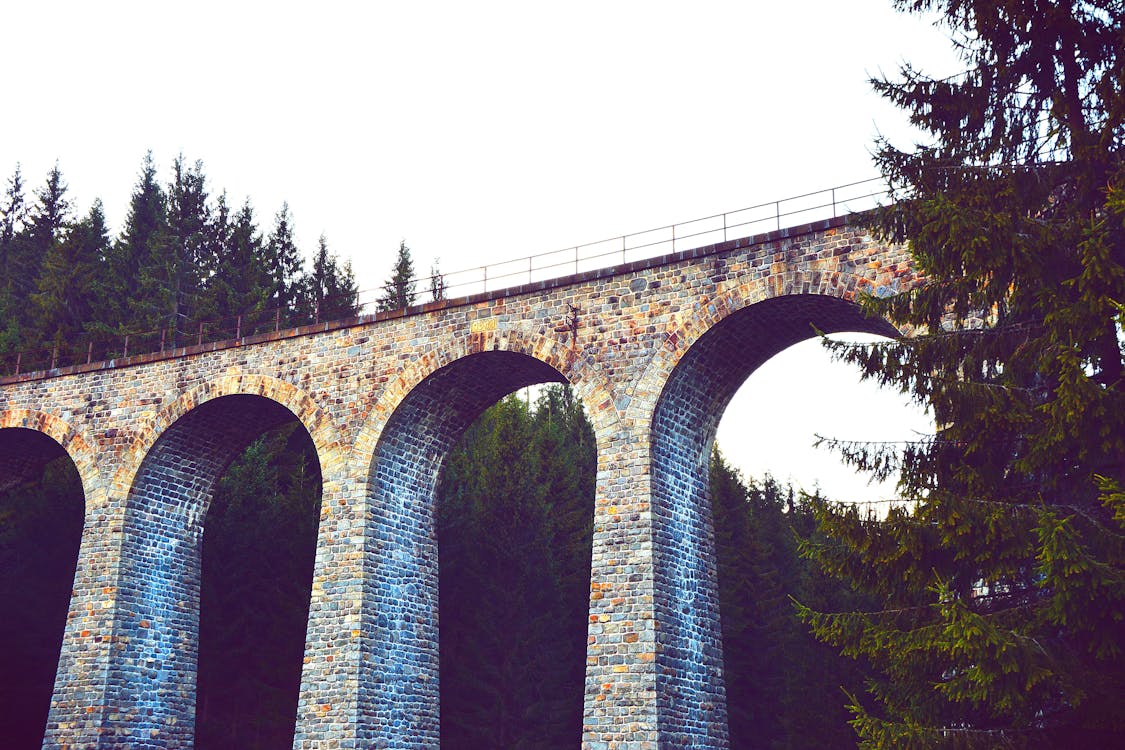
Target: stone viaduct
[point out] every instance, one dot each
(658, 349)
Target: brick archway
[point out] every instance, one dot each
(81, 449)
(324, 433)
(176, 461)
(411, 426)
(573, 366)
(706, 358)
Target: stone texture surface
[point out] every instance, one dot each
(661, 346)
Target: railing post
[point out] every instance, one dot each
(238, 327)
(576, 260)
(163, 338)
(622, 251)
(125, 353)
(724, 227)
(833, 203)
(54, 356)
(777, 213)
(19, 356)
(485, 270)
(89, 351)
(199, 340)
(277, 320)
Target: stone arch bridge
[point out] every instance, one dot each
(654, 349)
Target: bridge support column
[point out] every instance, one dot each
(620, 709)
(79, 700)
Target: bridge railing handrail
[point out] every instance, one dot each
(729, 225)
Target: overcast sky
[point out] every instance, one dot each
(481, 131)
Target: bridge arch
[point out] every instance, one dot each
(706, 357)
(168, 481)
(325, 435)
(570, 365)
(412, 426)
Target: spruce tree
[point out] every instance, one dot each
(1003, 580)
(46, 223)
(189, 216)
(136, 260)
(399, 291)
(283, 260)
(329, 291)
(13, 218)
(437, 282)
(68, 284)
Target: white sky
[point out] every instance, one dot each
(477, 131)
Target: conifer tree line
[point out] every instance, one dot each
(184, 256)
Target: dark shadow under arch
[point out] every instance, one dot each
(42, 507)
(690, 692)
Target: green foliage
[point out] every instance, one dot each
(1003, 588)
(777, 676)
(514, 524)
(258, 548)
(63, 303)
(437, 282)
(400, 291)
(330, 291)
(282, 260)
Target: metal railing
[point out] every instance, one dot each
(744, 222)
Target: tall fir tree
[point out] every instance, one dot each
(1003, 589)
(437, 282)
(13, 216)
(189, 216)
(283, 260)
(47, 220)
(400, 291)
(136, 260)
(240, 286)
(67, 290)
(329, 291)
(13, 219)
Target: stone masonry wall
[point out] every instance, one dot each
(383, 399)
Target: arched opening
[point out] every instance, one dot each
(216, 574)
(690, 679)
(42, 507)
(477, 612)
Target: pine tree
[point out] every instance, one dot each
(1003, 588)
(136, 260)
(399, 291)
(283, 260)
(437, 282)
(13, 218)
(67, 287)
(189, 216)
(239, 286)
(46, 222)
(329, 291)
